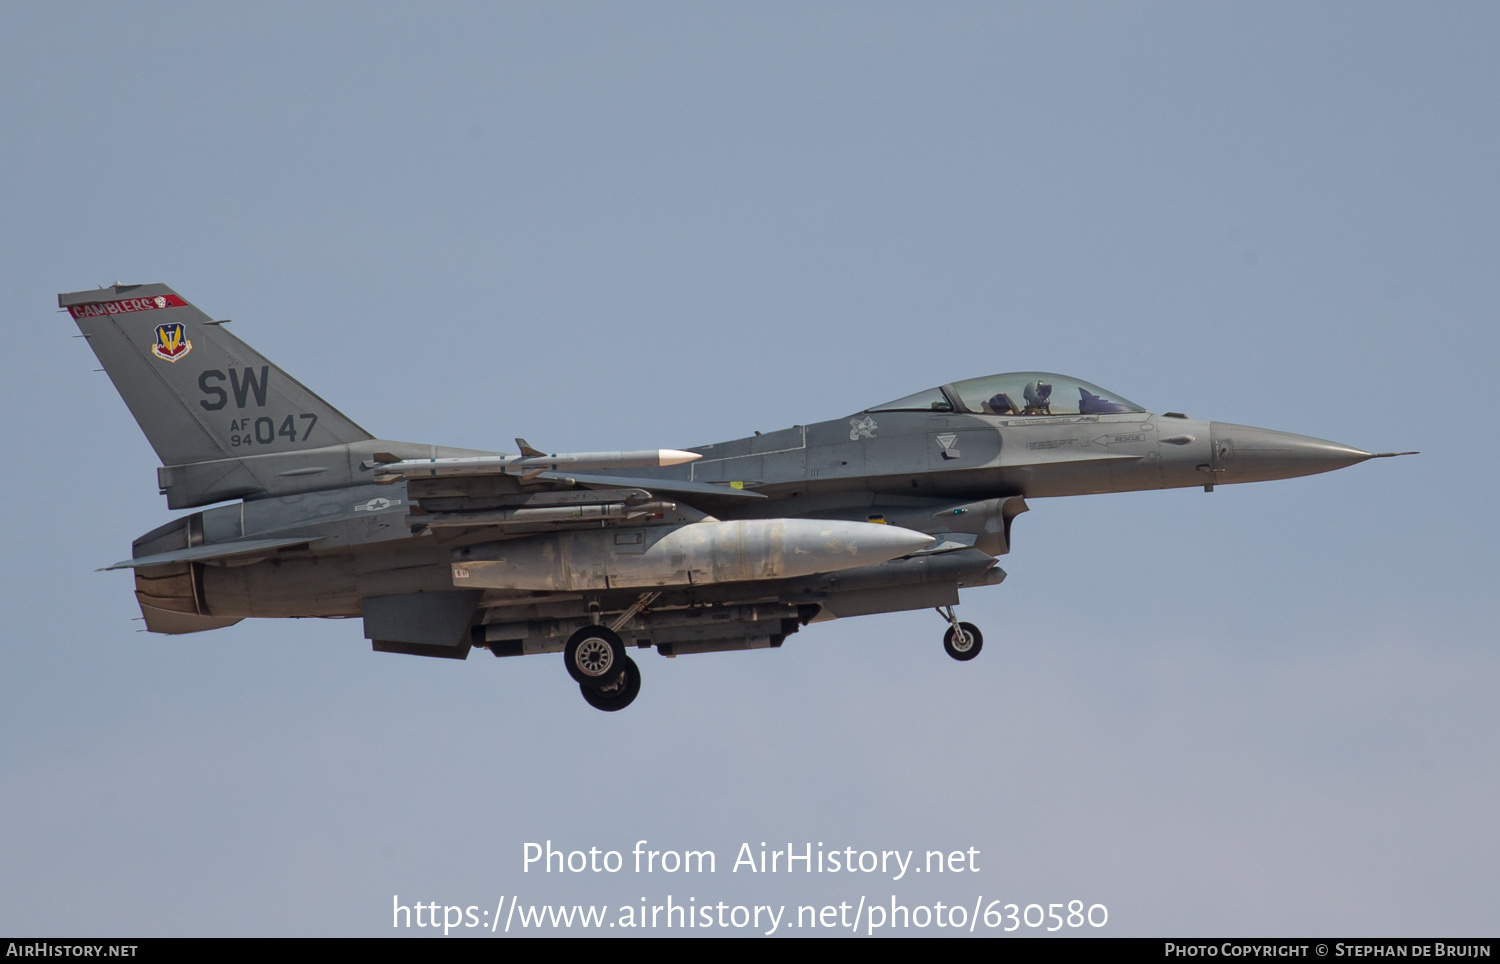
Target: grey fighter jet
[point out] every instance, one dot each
(721, 547)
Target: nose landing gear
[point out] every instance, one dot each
(962, 641)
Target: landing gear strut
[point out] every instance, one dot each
(963, 641)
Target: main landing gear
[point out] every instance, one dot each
(963, 641)
(618, 694)
(608, 679)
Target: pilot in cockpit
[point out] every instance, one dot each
(1038, 396)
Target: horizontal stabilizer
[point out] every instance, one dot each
(218, 550)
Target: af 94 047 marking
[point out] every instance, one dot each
(264, 431)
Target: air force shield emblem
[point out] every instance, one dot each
(171, 342)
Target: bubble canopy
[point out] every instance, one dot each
(1016, 393)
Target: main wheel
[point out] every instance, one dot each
(965, 644)
(617, 695)
(594, 655)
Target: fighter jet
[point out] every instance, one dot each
(731, 546)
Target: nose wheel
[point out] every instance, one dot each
(962, 641)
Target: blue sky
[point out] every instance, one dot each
(1269, 710)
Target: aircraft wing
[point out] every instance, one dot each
(537, 492)
(667, 486)
(533, 492)
(217, 550)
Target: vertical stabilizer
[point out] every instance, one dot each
(198, 392)
(226, 423)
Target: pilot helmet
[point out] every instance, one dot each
(1038, 394)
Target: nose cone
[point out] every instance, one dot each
(1242, 453)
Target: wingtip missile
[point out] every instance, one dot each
(532, 465)
(663, 457)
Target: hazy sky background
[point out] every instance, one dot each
(1267, 711)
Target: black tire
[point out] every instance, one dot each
(618, 694)
(594, 656)
(960, 652)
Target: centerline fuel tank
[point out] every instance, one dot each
(699, 553)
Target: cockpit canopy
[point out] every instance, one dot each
(1015, 393)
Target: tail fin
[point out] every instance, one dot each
(198, 392)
